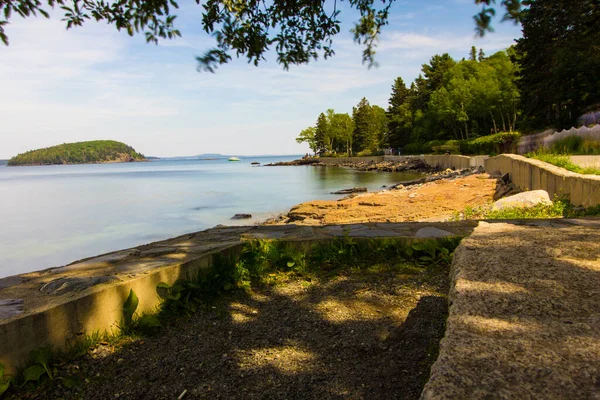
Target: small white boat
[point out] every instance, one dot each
(234, 159)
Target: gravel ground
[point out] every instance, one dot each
(359, 335)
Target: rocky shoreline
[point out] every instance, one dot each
(415, 164)
(435, 197)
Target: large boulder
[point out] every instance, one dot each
(524, 199)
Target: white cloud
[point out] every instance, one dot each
(94, 82)
(441, 43)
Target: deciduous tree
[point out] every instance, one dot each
(297, 31)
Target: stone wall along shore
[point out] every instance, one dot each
(530, 174)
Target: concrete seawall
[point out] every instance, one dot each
(83, 301)
(440, 161)
(58, 306)
(530, 174)
(454, 161)
(377, 159)
(340, 160)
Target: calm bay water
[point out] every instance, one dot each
(53, 215)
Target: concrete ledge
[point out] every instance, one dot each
(530, 174)
(376, 159)
(58, 305)
(454, 161)
(524, 319)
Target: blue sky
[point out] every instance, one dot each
(96, 83)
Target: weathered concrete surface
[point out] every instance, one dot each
(448, 161)
(530, 174)
(586, 161)
(58, 305)
(524, 319)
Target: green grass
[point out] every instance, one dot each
(560, 208)
(576, 145)
(562, 161)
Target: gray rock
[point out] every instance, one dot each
(10, 308)
(10, 281)
(75, 284)
(352, 190)
(157, 251)
(524, 199)
(241, 216)
(432, 232)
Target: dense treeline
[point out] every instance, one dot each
(450, 100)
(360, 134)
(454, 101)
(559, 56)
(548, 80)
(96, 151)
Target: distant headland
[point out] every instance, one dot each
(91, 152)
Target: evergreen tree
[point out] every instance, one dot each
(473, 54)
(481, 55)
(399, 95)
(321, 134)
(379, 139)
(364, 126)
(560, 61)
(399, 115)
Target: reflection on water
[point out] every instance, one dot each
(54, 215)
(343, 178)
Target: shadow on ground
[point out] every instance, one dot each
(356, 336)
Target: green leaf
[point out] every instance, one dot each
(4, 386)
(163, 285)
(227, 286)
(33, 373)
(175, 296)
(149, 321)
(418, 246)
(194, 286)
(43, 356)
(130, 306)
(290, 264)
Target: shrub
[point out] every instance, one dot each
(575, 145)
(429, 147)
(369, 153)
(503, 142)
(413, 148)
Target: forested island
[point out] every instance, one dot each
(91, 152)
